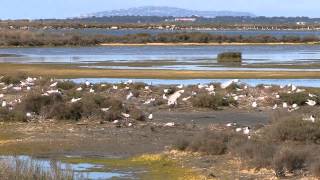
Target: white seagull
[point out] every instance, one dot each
(54, 84)
(4, 104)
(246, 130)
(311, 102)
(105, 109)
(254, 104)
(74, 100)
(275, 106)
(169, 124)
(150, 117)
(87, 83)
(312, 118)
(125, 115)
(285, 105)
(130, 95)
(180, 86)
(79, 89)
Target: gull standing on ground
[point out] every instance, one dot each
(311, 102)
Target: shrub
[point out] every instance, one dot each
(295, 98)
(211, 101)
(159, 102)
(15, 79)
(35, 103)
(289, 160)
(14, 115)
(256, 153)
(110, 115)
(135, 93)
(229, 57)
(233, 87)
(66, 85)
(43, 81)
(63, 111)
(181, 144)
(293, 129)
(209, 142)
(137, 114)
(138, 86)
(100, 88)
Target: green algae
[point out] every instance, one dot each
(154, 166)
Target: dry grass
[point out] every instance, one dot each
(287, 146)
(72, 71)
(17, 169)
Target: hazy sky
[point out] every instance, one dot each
(13, 9)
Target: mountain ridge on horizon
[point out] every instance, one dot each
(166, 11)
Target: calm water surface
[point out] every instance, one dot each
(81, 170)
(251, 54)
(251, 82)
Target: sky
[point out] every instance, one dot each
(37, 9)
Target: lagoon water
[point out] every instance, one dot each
(284, 54)
(81, 170)
(251, 82)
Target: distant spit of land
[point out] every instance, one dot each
(25, 38)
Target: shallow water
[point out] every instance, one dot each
(251, 82)
(81, 170)
(251, 54)
(203, 68)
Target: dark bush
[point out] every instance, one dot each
(138, 86)
(293, 129)
(66, 85)
(34, 103)
(289, 160)
(14, 79)
(100, 88)
(181, 144)
(210, 142)
(135, 93)
(159, 102)
(63, 111)
(295, 98)
(43, 81)
(233, 87)
(111, 115)
(256, 153)
(229, 57)
(137, 114)
(211, 101)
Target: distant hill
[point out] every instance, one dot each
(166, 12)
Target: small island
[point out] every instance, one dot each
(230, 57)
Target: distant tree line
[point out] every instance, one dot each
(155, 21)
(29, 38)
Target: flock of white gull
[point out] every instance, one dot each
(172, 99)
